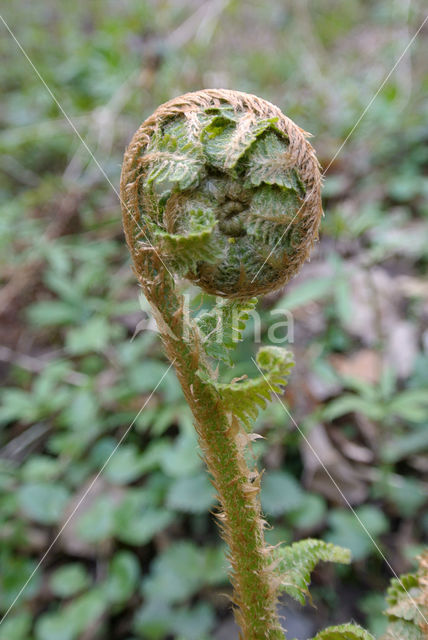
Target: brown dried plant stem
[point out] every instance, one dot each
(222, 445)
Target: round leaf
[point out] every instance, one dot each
(280, 493)
(43, 503)
(69, 580)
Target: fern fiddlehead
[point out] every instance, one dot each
(220, 187)
(227, 187)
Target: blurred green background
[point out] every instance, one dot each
(141, 558)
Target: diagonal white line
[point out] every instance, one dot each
(48, 550)
(344, 498)
(385, 80)
(70, 122)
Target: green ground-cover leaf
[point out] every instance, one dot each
(179, 572)
(347, 530)
(16, 627)
(42, 502)
(122, 579)
(97, 524)
(155, 619)
(125, 466)
(69, 580)
(73, 619)
(141, 528)
(191, 494)
(183, 457)
(310, 512)
(280, 493)
(17, 570)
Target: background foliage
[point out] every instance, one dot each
(141, 557)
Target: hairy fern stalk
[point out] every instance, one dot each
(221, 188)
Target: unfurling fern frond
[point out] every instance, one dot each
(408, 605)
(402, 630)
(225, 189)
(400, 604)
(297, 561)
(245, 398)
(222, 327)
(344, 632)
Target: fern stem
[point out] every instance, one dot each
(240, 516)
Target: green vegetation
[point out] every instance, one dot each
(74, 375)
(258, 237)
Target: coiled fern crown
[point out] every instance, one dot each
(227, 190)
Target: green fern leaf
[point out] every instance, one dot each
(279, 217)
(225, 140)
(402, 630)
(176, 158)
(174, 170)
(184, 252)
(179, 136)
(400, 605)
(344, 632)
(244, 399)
(222, 327)
(297, 561)
(408, 605)
(270, 163)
